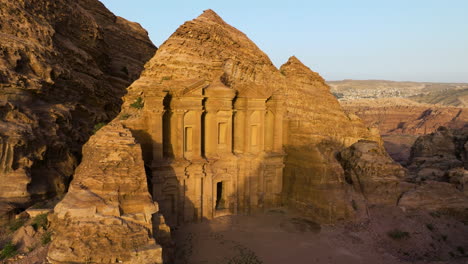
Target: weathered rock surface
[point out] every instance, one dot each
(435, 154)
(401, 121)
(314, 180)
(372, 172)
(106, 216)
(64, 67)
(435, 196)
(208, 52)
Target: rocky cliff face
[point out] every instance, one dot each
(64, 67)
(434, 155)
(318, 129)
(400, 121)
(108, 206)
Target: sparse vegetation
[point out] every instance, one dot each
(138, 104)
(40, 221)
(8, 251)
(397, 234)
(46, 238)
(124, 116)
(461, 250)
(166, 78)
(354, 205)
(245, 256)
(435, 214)
(444, 237)
(430, 227)
(17, 224)
(98, 126)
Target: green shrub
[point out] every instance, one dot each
(46, 238)
(398, 234)
(138, 104)
(98, 126)
(430, 227)
(8, 251)
(461, 250)
(166, 78)
(17, 224)
(124, 116)
(40, 221)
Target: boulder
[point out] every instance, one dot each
(372, 172)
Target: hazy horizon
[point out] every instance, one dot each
(419, 41)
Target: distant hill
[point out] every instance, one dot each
(448, 94)
(403, 111)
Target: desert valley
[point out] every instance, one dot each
(201, 150)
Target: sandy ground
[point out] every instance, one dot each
(281, 237)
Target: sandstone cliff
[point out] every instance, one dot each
(106, 216)
(64, 68)
(433, 156)
(317, 130)
(401, 121)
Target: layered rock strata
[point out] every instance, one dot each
(64, 67)
(316, 130)
(440, 155)
(106, 217)
(206, 111)
(401, 121)
(216, 119)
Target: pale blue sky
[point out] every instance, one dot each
(415, 40)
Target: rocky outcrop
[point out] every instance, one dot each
(436, 197)
(433, 156)
(106, 217)
(64, 67)
(317, 130)
(400, 122)
(372, 172)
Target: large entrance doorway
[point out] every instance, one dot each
(220, 201)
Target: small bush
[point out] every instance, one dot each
(17, 224)
(435, 214)
(46, 238)
(444, 237)
(124, 116)
(461, 250)
(430, 227)
(166, 78)
(138, 104)
(398, 234)
(40, 221)
(354, 204)
(8, 251)
(98, 126)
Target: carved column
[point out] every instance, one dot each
(156, 131)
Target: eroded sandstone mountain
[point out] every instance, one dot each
(184, 101)
(106, 216)
(64, 67)
(317, 129)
